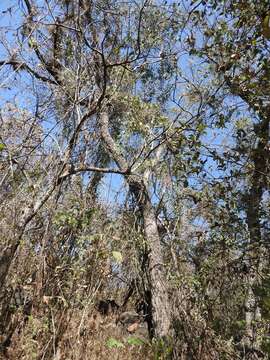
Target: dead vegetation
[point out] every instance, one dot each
(134, 179)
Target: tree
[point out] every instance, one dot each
(87, 64)
(234, 43)
(166, 105)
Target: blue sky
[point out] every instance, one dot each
(112, 184)
(112, 188)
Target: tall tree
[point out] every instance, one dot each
(87, 63)
(233, 39)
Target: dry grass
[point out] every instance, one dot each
(74, 336)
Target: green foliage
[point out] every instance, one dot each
(266, 345)
(135, 341)
(117, 256)
(66, 218)
(114, 344)
(187, 93)
(163, 349)
(140, 117)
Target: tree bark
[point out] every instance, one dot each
(258, 182)
(252, 309)
(260, 161)
(157, 274)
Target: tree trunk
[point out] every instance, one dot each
(157, 274)
(260, 160)
(252, 309)
(253, 201)
(160, 300)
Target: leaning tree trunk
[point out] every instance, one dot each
(159, 292)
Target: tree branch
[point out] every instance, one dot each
(18, 65)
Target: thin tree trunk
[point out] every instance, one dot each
(253, 202)
(260, 161)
